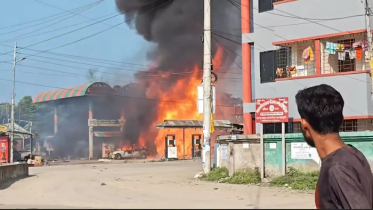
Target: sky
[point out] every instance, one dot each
(41, 25)
(52, 34)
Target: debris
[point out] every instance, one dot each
(199, 175)
(216, 188)
(103, 184)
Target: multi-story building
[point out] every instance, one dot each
(292, 44)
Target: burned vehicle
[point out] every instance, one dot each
(133, 151)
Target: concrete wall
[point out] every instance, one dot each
(240, 158)
(10, 172)
(302, 19)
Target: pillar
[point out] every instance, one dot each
(318, 56)
(55, 119)
(246, 66)
(90, 130)
(122, 118)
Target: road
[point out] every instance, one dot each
(139, 185)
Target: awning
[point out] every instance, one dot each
(6, 128)
(97, 88)
(180, 124)
(107, 134)
(61, 93)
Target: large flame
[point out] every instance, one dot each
(176, 106)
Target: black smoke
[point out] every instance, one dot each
(176, 26)
(176, 29)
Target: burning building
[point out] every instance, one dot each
(168, 89)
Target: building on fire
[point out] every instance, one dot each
(285, 48)
(93, 111)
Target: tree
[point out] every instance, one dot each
(92, 76)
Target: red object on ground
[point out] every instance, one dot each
(4, 149)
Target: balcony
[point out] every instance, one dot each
(290, 60)
(334, 55)
(348, 58)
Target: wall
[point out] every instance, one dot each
(243, 158)
(302, 19)
(15, 171)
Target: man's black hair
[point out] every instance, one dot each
(322, 107)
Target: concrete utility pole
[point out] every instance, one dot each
(206, 160)
(13, 103)
(369, 30)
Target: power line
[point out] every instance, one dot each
(59, 8)
(54, 23)
(25, 23)
(78, 9)
(24, 37)
(94, 33)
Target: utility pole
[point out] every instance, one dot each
(369, 31)
(206, 160)
(13, 103)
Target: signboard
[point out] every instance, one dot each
(224, 151)
(301, 150)
(4, 149)
(200, 99)
(172, 152)
(106, 123)
(272, 110)
(3, 128)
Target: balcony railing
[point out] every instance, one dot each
(344, 54)
(296, 60)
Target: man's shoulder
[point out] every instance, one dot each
(347, 158)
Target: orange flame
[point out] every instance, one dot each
(178, 103)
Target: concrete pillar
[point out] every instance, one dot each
(55, 119)
(122, 118)
(90, 129)
(246, 66)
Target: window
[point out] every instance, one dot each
(283, 56)
(272, 128)
(349, 126)
(265, 5)
(347, 64)
(267, 66)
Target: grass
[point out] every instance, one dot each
(297, 180)
(240, 177)
(293, 179)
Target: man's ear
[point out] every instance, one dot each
(305, 125)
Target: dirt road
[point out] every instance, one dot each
(139, 185)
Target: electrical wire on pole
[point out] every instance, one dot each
(206, 151)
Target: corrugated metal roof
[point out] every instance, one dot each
(218, 124)
(17, 129)
(62, 93)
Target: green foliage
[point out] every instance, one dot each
(296, 180)
(216, 174)
(240, 177)
(245, 177)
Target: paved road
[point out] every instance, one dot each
(138, 185)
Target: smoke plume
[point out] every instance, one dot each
(176, 28)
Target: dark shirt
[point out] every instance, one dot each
(345, 181)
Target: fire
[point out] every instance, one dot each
(179, 103)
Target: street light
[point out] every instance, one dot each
(13, 100)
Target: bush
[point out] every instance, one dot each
(296, 180)
(240, 177)
(245, 177)
(216, 174)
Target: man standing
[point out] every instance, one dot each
(345, 180)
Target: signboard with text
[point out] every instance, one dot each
(106, 123)
(272, 110)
